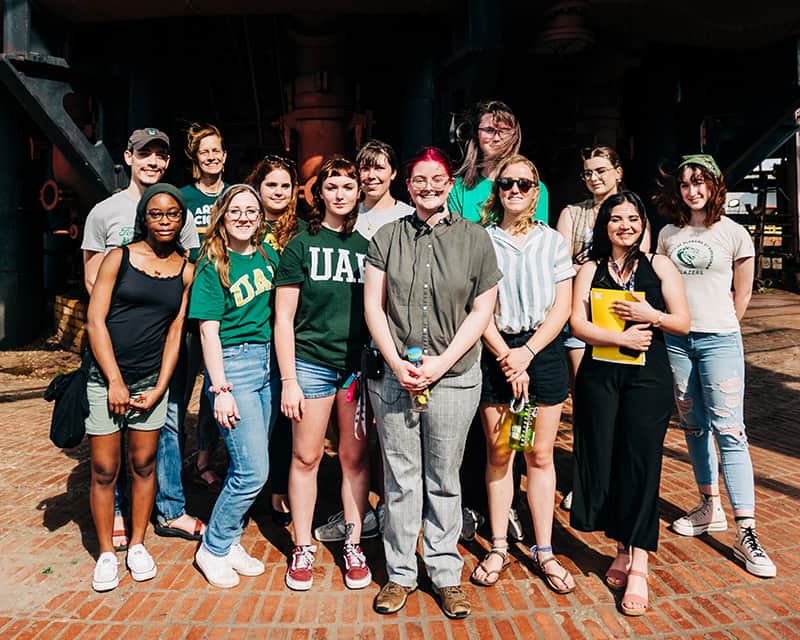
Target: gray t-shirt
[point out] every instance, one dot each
(110, 225)
(370, 220)
(433, 275)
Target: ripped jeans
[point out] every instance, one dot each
(708, 371)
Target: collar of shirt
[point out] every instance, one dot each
(419, 225)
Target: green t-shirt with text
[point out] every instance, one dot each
(198, 204)
(244, 310)
(329, 323)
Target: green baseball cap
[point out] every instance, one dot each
(702, 160)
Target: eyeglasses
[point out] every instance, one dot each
(599, 172)
(437, 182)
(236, 214)
(504, 133)
(524, 184)
(156, 215)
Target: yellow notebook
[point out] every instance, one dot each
(602, 316)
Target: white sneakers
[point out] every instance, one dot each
(748, 550)
(224, 571)
(105, 576)
(706, 516)
(710, 516)
(139, 562)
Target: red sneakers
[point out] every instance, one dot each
(357, 574)
(299, 575)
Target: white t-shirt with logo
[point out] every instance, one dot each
(370, 220)
(704, 257)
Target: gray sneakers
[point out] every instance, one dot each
(748, 550)
(334, 529)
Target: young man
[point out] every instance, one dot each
(377, 165)
(110, 224)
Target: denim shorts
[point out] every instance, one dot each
(318, 380)
(548, 373)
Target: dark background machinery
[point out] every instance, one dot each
(306, 79)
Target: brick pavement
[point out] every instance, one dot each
(47, 544)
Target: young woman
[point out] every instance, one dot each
(491, 133)
(713, 255)
(431, 283)
(621, 409)
(135, 324)
(275, 179)
(602, 177)
(206, 151)
(319, 334)
(525, 359)
(231, 299)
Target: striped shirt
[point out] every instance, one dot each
(527, 290)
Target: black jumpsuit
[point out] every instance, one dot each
(621, 416)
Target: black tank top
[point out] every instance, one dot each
(646, 279)
(142, 309)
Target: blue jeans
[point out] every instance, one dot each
(422, 453)
(253, 372)
(708, 371)
(170, 502)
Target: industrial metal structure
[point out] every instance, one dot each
(307, 79)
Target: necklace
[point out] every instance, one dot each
(208, 193)
(630, 284)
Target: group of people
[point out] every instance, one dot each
(411, 319)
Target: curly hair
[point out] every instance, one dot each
(285, 227)
(600, 249)
(194, 135)
(467, 136)
(493, 212)
(215, 242)
(669, 202)
(333, 166)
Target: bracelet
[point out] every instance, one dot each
(287, 378)
(533, 353)
(659, 320)
(225, 387)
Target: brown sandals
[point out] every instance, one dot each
(551, 576)
(491, 576)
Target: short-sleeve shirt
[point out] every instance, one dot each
(199, 205)
(110, 224)
(269, 236)
(433, 275)
(329, 324)
(704, 257)
(244, 309)
(370, 220)
(469, 202)
(527, 291)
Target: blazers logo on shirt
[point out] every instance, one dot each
(322, 267)
(694, 256)
(245, 291)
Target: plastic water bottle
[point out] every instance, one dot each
(523, 425)
(419, 399)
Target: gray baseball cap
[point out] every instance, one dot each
(142, 137)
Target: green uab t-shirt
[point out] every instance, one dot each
(199, 206)
(329, 325)
(244, 310)
(269, 237)
(469, 202)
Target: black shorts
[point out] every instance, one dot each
(548, 373)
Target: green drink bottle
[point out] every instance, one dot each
(419, 399)
(523, 425)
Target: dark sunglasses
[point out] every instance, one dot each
(524, 184)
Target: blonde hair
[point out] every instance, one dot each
(194, 135)
(215, 243)
(493, 212)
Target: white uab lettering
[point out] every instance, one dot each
(244, 292)
(344, 266)
(327, 252)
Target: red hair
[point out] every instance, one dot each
(430, 154)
